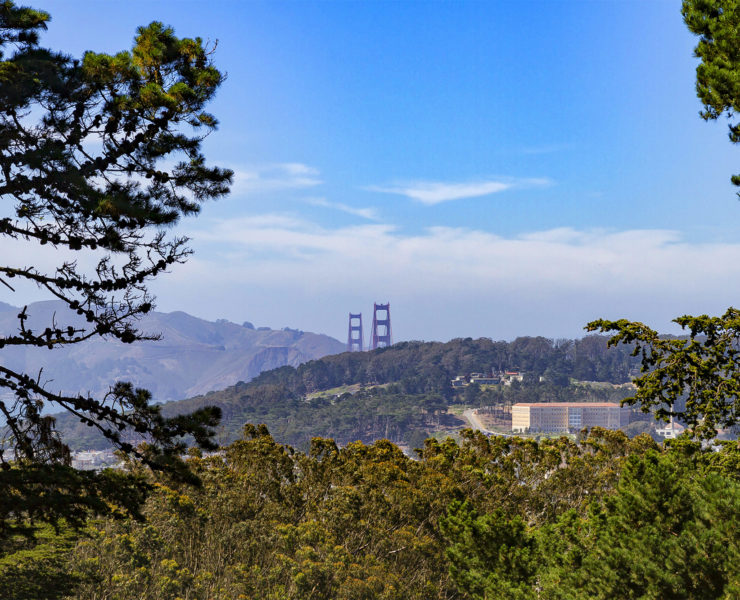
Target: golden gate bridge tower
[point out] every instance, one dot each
(381, 326)
(354, 336)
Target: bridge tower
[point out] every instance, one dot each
(354, 335)
(381, 326)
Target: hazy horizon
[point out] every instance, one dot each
(490, 169)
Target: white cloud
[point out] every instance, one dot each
(273, 177)
(281, 270)
(368, 213)
(447, 282)
(435, 192)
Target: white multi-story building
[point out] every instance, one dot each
(562, 417)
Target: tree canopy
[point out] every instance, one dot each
(697, 379)
(606, 517)
(664, 531)
(98, 156)
(716, 22)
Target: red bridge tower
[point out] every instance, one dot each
(354, 336)
(381, 326)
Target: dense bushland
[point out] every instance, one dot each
(606, 517)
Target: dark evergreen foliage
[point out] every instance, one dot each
(486, 518)
(716, 22)
(668, 530)
(82, 147)
(697, 379)
(428, 366)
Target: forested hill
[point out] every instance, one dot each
(402, 392)
(429, 366)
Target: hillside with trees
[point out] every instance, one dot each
(403, 392)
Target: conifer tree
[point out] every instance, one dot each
(98, 157)
(698, 379)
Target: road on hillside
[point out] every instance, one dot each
(471, 416)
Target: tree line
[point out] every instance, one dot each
(485, 518)
(429, 366)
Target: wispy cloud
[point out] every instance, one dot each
(436, 192)
(273, 177)
(281, 269)
(366, 213)
(564, 257)
(272, 269)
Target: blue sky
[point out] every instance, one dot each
(490, 168)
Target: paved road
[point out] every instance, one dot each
(471, 416)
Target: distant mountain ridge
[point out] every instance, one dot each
(193, 357)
